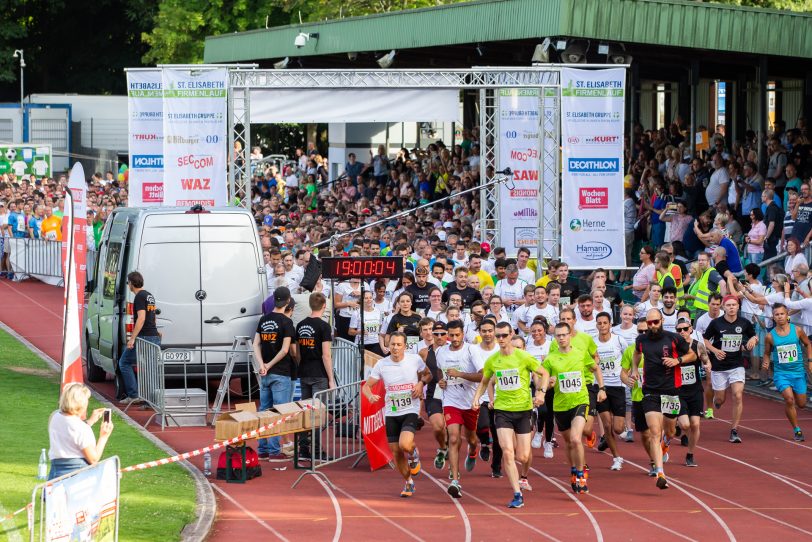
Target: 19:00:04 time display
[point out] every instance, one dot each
(368, 267)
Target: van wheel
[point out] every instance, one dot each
(94, 372)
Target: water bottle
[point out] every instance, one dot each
(207, 464)
(42, 468)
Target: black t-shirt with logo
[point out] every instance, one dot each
(420, 295)
(144, 301)
(691, 382)
(468, 294)
(273, 328)
(729, 337)
(405, 324)
(657, 378)
(311, 333)
(569, 292)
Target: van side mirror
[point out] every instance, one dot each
(90, 286)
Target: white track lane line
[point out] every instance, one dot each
(460, 509)
(514, 518)
(386, 519)
(776, 437)
(785, 477)
(336, 507)
(582, 506)
(747, 508)
(759, 469)
(250, 514)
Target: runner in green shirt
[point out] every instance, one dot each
(511, 368)
(571, 403)
(584, 343)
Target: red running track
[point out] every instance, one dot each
(751, 491)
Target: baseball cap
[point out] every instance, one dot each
(486, 247)
(281, 295)
(439, 326)
(683, 320)
(730, 296)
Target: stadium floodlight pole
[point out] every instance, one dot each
(503, 176)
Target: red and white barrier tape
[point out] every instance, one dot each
(20, 511)
(213, 447)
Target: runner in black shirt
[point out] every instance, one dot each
(724, 339)
(434, 395)
(421, 289)
(460, 286)
(404, 320)
(314, 337)
(662, 352)
(691, 395)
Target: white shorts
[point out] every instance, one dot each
(721, 380)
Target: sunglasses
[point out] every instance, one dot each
(681, 329)
(502, 335)
(641, 330)
(439, 333)
(652, 322)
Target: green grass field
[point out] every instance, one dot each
(155, 504)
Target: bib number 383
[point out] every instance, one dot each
(399, 401)
(669, 404)
(570, 382)
(507, 380)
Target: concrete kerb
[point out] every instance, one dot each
(206, 503)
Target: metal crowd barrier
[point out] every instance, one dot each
(38, 258)
(158, 369)
(338, 436)
(347, 363)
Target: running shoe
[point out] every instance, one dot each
(496, 474)
(662, 483)
(591, 440)
(485, 453)
(555, 442)
(709, 414)
(439, 459)
(455, 489)
(536, 442)
(684, 440)
(574, 481)
(582, 487)
(586, 471)
(617, 463)
(524, 485)
(408, 490)
(629, 435)
(470, 462)
(664, 447)
(652, 471)
(602, 445)
(414, 465)
(799, 436)
(548, 450)
(517, 502)
(677, 431)
(734, 437)
(689, 460)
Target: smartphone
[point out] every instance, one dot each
(106, 415)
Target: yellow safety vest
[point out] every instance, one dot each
(677, 284)
(703, 291)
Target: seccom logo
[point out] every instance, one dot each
(575, 224)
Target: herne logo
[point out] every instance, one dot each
(195, 184)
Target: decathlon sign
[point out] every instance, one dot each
(593, 165)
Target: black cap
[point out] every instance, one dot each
(281, 296)
(439, 326)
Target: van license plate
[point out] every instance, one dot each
(177, 355)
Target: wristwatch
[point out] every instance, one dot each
(679, 360)
(602, 388)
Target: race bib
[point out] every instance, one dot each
(688, 374)
(508, 380)
(571, 382)
(731, 342)
(20, 225)
(411, 341)
(399, 401)
(51, 236)
(562, 301)
(669, 404)
(610, 366)
(787, 353)
(452, 380)
(370, 328)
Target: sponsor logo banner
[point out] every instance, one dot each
(592, 110)
(145, 104)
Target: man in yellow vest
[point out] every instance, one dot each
(707, 284)
(669, 274)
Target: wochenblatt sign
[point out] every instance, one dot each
(592, 114)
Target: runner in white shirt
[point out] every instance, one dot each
(539, 346)
(669, 309)
(472, 327)
(511, 289)
(702, 323)
(403, 376)
(586, 316)
(541, 307)
(436, 307)
(525, 273)
(520, 314)
(373, 319)
(426, 337)
(599, 301)
(347, 299)
(626, 328)
(461, 366)
(612, 410)
(653, 301)
(553, 298)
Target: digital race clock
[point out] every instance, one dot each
(368, 267)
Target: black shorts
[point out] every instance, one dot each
(395, 425)
(639, 417)
(651, 403)
(692, 403)
(518, 421)
(433, 406)
(615, 401)
(593, 399)
(564, 419)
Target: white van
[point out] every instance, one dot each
(205, 269)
